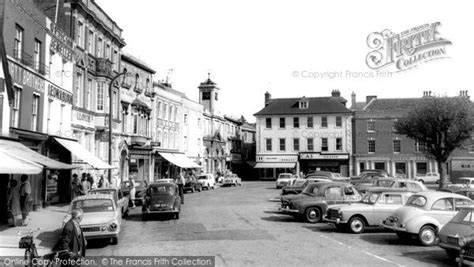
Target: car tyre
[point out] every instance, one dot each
(427, 236)
(114, 240)
(356, 225)
(312, 215)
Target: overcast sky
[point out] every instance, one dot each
(251, 46)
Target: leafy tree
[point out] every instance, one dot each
(442, 124)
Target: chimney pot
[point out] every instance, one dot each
(268, 98)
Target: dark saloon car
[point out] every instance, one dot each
(140, 187)
(192, 185)
(313, 202)
(300, 184)
(162, 198)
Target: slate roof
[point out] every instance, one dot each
(393, 104)
(316, 105)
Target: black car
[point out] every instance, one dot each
(192, 185)
(140, 187)
(161, 198)
(369, 173)
(300, 184)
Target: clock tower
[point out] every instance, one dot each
(209, 95)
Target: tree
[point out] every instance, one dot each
(442, 124)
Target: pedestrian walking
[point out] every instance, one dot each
(75, 186)
(13, 203)
(25, 199)
(85, 186)
(72, 239)
(133, 191)
(91, 181)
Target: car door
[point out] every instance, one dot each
(443, 210)
(386, 204)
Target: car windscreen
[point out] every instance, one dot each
(202, 177)
(284, 176)
(383, 183)
(300, 183)
(165, 189)
(417, 201)
(103, 192)
(311, 189)
(464, 216)
(94, 205)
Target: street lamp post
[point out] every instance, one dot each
(110, 119)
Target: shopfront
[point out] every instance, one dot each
(169, 164)
(331, 162)
(270, 166)
(407, 166)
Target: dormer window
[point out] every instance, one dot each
(303, 104)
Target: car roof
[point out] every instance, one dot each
(466, 178)
(105, 189)
(161, 184)
(94, 197)
(328, 183)
(439, 194)
(389, 190)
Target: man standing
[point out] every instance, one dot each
(25, 198)
(180, 182)
(72, 239)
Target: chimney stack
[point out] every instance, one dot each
(335, 93)
(353, 100)
(268, 98)
(464, 93)
(369, 98)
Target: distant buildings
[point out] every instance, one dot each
(304, 135)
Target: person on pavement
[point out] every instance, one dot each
(72, 239)
(133, 191)
(14, 203)
(103, 183)
(85, 186)
(180, 182)
(25, 199)
(75, 186)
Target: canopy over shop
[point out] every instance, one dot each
(83, 156)
(178, 160)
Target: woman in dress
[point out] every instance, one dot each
(133, 191)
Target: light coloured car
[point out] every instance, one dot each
(120, 200)
(232, 179)
(428, 178)
(207, 180)
(464, 182)
(375, 206)
(102, 219)
(424, 214)
(285, 179)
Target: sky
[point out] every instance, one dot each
(291, 48)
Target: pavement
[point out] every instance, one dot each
(47, 222)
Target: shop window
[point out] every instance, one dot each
(379, 165)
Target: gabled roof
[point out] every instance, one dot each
(316, 105)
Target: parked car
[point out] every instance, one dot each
(164, 180)
(192, 185)
(408, 184)
(463, 182)
(120, 201)
(312, 203)
(162, 198)
(328, 175)
(102, 219)
(459, 226)
(424, 215)
(232, 179)
(374, 206)
(365, 173)
(285, 179)
(140, 187)
(207, 180)
(428, 178)
(300, 184)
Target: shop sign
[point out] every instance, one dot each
(462, 165)
(323, 156)
(277, 158)
(235, 157)
(83, 116)
(60, 94)
(24, 77)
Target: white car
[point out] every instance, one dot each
(464, 182)
(207, 180)
(428, 178)
(102, 219)
(285, 179)
(232, 179)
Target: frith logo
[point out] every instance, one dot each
(405, 50)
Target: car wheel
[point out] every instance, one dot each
(427, 235)
(114, 240)
(452, 253)
(313, 215)
(403, 235)
(356, 225)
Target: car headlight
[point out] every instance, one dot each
(113, 227)
(103, 228)
(395, 219)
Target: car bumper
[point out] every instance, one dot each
(335, 221)
(148, 211)
(448, 246)
(288, 210)
(90, 236)
(393, 227)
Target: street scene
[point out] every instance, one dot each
(240, 134)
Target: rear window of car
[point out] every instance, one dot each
(161, 190)
(445, 204)
(417, 201)
(284, 176)
(94, 205)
